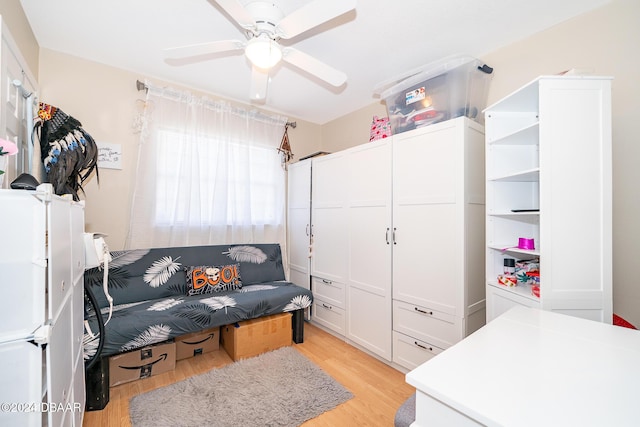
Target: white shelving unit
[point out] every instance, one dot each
(548, 163)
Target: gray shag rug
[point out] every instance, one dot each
(278, 388)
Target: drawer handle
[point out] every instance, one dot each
(327, 306)
(423, 312)
(422, 346)
(328, 282)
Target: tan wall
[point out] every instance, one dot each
(105, 100)
(606, 42)
(14, 18)
(352, 129)
(305, 139)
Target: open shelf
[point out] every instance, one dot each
(525, 135)
(531, 175)
(523, 290)
(511, 214)
(509, 249)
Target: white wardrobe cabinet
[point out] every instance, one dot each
(351, 256)
(329, 241)
(370, 236)
(328, 217)
(438, 215)
(42, 309)
(397, 236)
(548, 154)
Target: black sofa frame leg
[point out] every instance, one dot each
(97, 385)
(297, 324)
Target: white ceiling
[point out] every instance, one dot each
(378, 41)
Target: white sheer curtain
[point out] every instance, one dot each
(208, 173)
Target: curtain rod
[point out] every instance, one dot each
(142, 86)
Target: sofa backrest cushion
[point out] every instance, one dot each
(145, 274)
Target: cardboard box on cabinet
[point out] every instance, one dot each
(142, 363)
(196, 343)
(256, 336)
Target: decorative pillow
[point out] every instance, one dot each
(206, 279)
(380, 128)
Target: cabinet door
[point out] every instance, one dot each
(427, 223)
(21, 371)
(77, 245)
(60, 361)
(23, 263)
(299, 222)
(60, 255)
(329, 218)
(575, 197)
(370, 234)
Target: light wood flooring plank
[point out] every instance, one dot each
(378, 389)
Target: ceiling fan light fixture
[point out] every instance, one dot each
(263, 52)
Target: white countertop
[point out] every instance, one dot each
(536, 368)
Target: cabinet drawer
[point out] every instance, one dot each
(329, 316)
(410, 353)
(329, 291)
(426, 324)
(501, 300)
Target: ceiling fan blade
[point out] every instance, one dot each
(311, 15)
(204, 49)
(238, 12)
(313, 66)
(259, 84)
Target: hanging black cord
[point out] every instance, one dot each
(92, 300)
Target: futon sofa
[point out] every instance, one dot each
(162, 293)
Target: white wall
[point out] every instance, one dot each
(14, 18)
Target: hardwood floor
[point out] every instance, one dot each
(378, 389)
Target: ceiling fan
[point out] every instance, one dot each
(264, 25)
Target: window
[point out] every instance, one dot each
(208, 173)
(245, 180)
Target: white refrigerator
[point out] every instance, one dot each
(41, 309)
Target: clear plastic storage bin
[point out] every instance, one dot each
(441, 90)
